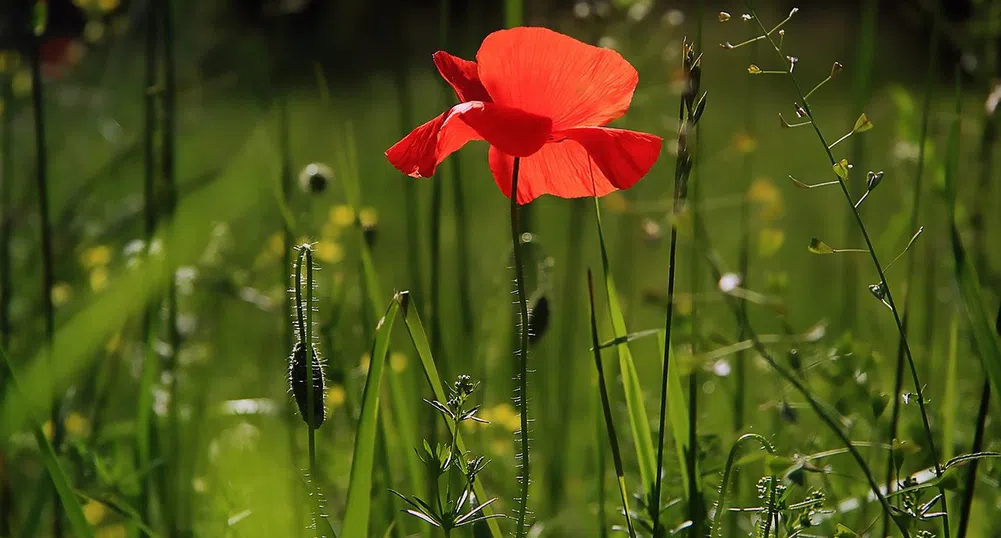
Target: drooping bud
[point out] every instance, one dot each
(538, 319)
(297, 376)
(315, 177)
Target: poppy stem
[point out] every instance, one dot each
(522, 353)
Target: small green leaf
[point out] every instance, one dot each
(844, 532)
(841, 168)
(819, 247)
(862, 124)
(753, 69)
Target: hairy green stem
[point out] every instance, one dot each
(304, 319)
(519, 273)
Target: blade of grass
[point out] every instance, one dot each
(677, 412)
(607, 411)
(69, 502)
(642, 438)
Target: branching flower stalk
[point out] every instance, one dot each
(522, 353)
(690, 110)
(841, 171)
(826, 415)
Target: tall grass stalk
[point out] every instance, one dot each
(606, 409)
(6, 179)
(861, 93)
(688, 116)
(828, 416)
(918, 389)
(167, 170)
(966, 506)
(522, 353)
(48, 309)
(918, 186)
(144, 423)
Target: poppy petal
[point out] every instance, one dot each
(462, 76)
(590, 161)
(554, 75)
(513, 131)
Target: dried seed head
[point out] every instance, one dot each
(723, 16)
(315, 177)
(297, 374)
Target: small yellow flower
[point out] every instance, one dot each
(501, 447)
(76, 424)
(117, 530)
(398, 361)
(616, 202)
(767, 197)
(108, 5)
(21, 83)
(99, 279)
(61, 292)
(329, 251)
(335, 397)
(95, 256)
(342, 215)
(363, 364)
(276, 245)
(683, 304)
(505, 416)
(368, 217)
(770, 241)
(48, 430)
(745, 143)
(95, 512)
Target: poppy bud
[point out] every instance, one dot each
(297, 373)
(538, 319)
(315, 177)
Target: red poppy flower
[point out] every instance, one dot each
(544, 97)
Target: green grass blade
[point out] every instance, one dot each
(950, 402)
(70, 503)
(419, 338)
(677, 413)
(642, 438)
(359, 501)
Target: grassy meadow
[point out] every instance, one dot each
(153, 276)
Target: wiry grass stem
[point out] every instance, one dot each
(915, 211)
(519, 272)
(41, 184)
(966, 506)
(918, 389)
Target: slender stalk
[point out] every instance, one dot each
(966, 506)
(929, 438)
(522, 353)
(915, 212)
(607, 410)
(41, 183)
(602, 515)
(167, 164)
(6, 179)
(565, 366)
(149, 228)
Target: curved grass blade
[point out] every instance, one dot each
(642, 438)
(70, 503)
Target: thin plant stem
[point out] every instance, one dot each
(519, 272)
(602, 515)
(915, 212)
(6, 179)
(606, 409)
(929, 438)
(966, 506)
(41, 183)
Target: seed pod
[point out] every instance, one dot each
(538, 319)
(297, 372)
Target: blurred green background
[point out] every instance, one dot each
(354, 78)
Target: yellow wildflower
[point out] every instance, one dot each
(398, 361)
(363, 364)
(60, 293)
(342, 215)
(335, 397)
(504, 415)
(767, 197)
(99, 279)
(616, 202)
(95, 256)
(76, 424)
(108, 5)
(329, 251)
(368, 217)
(117, 530)
(95, 512)
(745, 143)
